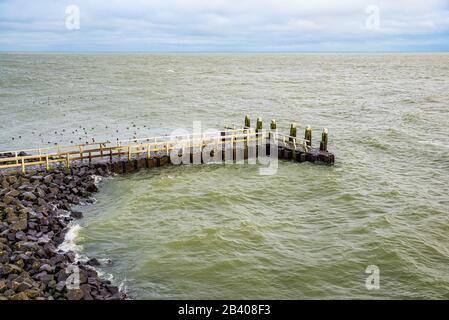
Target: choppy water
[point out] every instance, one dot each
(225, 231)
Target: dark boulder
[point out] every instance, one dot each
(22, 224)
(93, 262)
(92, 187)
(21, 236)
(44, 277)
(76, 214)
(28, 196)
(75, 294)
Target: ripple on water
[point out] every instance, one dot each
(226, 232)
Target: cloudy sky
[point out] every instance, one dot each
(224, 25)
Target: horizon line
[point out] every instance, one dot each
(215, 51)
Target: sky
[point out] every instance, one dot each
(224, 25)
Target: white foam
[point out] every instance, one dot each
(69, 243)
(123, 287)
(105, 261)
(104, 275)
(97, 179)
(63, 213)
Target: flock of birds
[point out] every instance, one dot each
(85, 135)
(79, 134)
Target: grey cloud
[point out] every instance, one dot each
(195, 24)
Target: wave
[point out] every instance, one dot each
(69, 243)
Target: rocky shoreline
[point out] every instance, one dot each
(35, 212)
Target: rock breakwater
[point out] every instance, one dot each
(35, 213)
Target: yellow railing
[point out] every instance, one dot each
(67, 154)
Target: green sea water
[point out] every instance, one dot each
(224, 231)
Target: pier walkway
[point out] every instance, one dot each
(229, 145)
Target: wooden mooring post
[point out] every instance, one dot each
(292, 137)
(308, 136)
(156, 151)
(247, 122)
(259, 125)
(324, 139)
